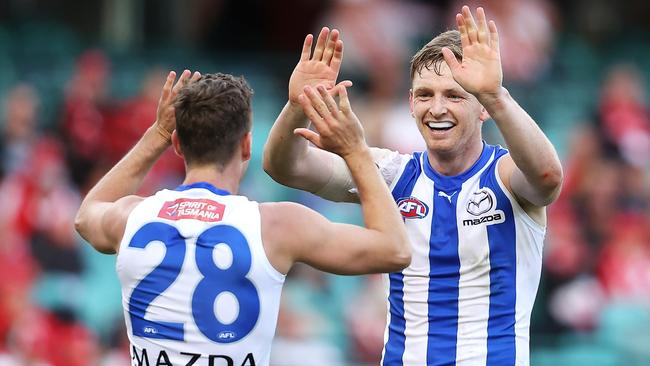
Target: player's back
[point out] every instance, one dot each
(197, 287)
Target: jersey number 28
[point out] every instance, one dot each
(215, 281)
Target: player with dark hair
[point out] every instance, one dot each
(475, 212)
(201, 267)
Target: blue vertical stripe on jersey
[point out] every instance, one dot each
(450, 183)
(503, 263)
(394, 347)
(444, 261)
(396, 338)
(444, 274)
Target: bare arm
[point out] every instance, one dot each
(533, 172)
(331, 247)
(533, 167)
(382, 246)
(101, 219)
(288, 158)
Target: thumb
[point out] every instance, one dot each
(450, 59)
(309, 135)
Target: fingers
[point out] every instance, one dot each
(470, 25)
(472, 31)
(167, 88)
(310, 135)
(329, 100)
(344, 83)
(331, 45)
(337, 58)
(306, 48)
(494, 36)
(320, 44)
(311, 112)
(483, 35)
(462, 28)
(335, 90)
(318, 103)
(181, 82)
(195, 77)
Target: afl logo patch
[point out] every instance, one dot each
(412, 208)
(226, 335)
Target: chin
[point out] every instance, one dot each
(442, 146)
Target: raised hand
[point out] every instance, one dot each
(338, 128)
(480, 71)
(320, 68)
(165, 114)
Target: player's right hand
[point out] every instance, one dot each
(165, 114)
(338, 129)
(320, 68)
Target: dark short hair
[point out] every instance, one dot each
(212, 116)
(431, 54)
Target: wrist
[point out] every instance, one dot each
(294, 108)
(294, 116)
(160, 134)
(494, 101)
(164, 133)
(359, 153)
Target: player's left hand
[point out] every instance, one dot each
(320, 67)
(338, 129)
(165, 114)
(480, 71)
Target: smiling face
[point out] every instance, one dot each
(448, 117)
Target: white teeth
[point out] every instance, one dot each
(440, 125)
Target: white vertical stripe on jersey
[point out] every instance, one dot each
(386, 281)
(416, 279)
(473, 283)
(392, 182)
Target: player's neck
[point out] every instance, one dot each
(227, 178)
(457, 162)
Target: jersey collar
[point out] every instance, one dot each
(204, 185)
(452, 182)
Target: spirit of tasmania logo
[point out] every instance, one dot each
(197, 209)
(412, 208)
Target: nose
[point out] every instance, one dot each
(438, 107)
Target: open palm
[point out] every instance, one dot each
(320, 68)
(480, 70)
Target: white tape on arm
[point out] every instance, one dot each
(341, 188)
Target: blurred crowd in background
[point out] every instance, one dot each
(80, 81)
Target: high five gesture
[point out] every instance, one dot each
(288, 158)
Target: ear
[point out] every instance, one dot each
(411, 107)
(176, 144)
(246, 146)
(484, 114)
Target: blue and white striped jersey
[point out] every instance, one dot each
(197, 286)
(467, 296)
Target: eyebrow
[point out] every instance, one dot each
(446, 90)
